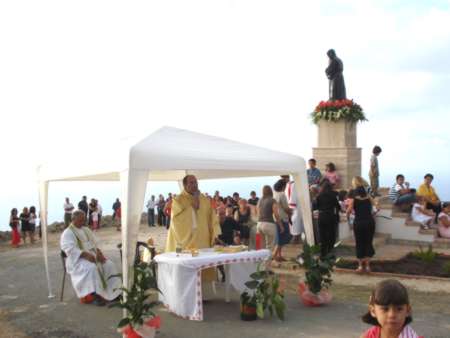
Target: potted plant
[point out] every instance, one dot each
(248, 306)
(266, 296)
(140, 321)
(314, 290)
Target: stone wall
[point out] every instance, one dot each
(337, 143)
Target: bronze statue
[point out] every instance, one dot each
(334, 74)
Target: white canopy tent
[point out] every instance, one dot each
(168, 155)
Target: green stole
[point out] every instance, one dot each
(80, 246)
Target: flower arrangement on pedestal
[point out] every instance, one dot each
(338, 110)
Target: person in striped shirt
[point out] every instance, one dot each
(401, 193)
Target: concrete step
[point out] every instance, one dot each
(383, 191)
(385, 206)
(400, 214)
(410, 222)
(428, 231)
(443, 243)
(383, 202)
(378, 241)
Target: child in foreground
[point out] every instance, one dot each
(389, 312)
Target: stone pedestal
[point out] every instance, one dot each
(337, 143)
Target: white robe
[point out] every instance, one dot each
(84, 274)
(297, 226)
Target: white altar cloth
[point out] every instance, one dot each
(180, 282)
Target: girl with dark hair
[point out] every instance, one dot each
(389, 312)
(363, 227)
(268, 219)
(14, 224)
(243, 217)
(283, 237)
(32, 222)
(328, 206)
(331, 174)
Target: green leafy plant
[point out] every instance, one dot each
(447, 268)
(266, 295)
(317, 269)
(136, 300)
(427, 256)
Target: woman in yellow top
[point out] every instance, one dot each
(428, 192)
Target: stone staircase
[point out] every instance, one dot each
(390, 210)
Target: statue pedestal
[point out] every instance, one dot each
(337, 143)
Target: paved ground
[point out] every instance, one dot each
(25, 310)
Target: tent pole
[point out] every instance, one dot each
(43, 201)
(133, 184)
(180, 182)
(302, 189)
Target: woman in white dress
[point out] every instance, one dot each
(421, 214)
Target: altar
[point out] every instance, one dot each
(180, 282)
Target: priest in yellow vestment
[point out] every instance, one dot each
(194, 223)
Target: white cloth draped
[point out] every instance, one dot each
(180, 282)
(84, 274)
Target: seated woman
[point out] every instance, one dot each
(243, 217)
(230, 228)
(429, 193)
(331, 174)
(421, 214)
(444, 221)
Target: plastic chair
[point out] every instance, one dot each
(137, 254)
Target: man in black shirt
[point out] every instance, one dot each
(253, 200)
(116, 206)
(83, 205)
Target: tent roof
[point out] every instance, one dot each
(169, 153)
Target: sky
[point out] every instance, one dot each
(77, 76)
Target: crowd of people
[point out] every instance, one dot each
(424, 204)
(240, 220)
(274, 219)
(24, 223)
(93, 211)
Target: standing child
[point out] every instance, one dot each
(331, 175)
(32, 222)
(389, 312)
(14, 224)
(374, 172)
(421, 214)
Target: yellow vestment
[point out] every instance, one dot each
(190, 228)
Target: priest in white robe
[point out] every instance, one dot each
(86, 264)
(296, 227)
